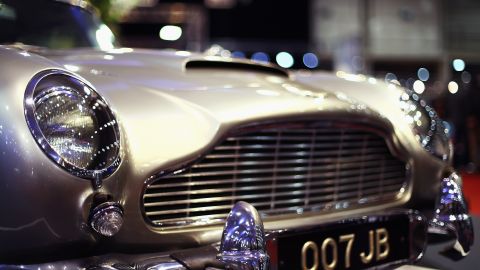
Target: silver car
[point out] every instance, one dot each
(119, 158)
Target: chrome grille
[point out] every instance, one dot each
(280, 170)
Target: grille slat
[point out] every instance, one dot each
(265, 179)
(301, 170)
(294, 161)
(280, 170)
(318, 155)
(302, 146)
(324, 182)
(296, 185)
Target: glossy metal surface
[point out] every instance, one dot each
(428, 126)
(451, 215)
(243, 240)
(420, 116)
(405, 108)
(173, 117)
(242, 246)
(107, 262)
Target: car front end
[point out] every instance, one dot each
(144, 159)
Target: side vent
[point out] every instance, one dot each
(241, 66)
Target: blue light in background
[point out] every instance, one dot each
(389, 77)
(458, 64)
(260, 57)
(238, 54)
(310, 60)
(423, 74)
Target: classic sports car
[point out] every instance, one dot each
(118, 158)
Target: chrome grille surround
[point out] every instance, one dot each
(287, 168)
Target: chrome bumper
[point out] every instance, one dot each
(243, 240)
(243, 246)
(451, 217)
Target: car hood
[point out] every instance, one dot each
(169, 111)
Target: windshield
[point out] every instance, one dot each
(51, 24)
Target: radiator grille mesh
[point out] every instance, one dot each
(280, 170)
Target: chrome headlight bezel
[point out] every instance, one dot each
(433, 132)
(35, 91)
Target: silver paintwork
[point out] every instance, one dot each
(169, 115)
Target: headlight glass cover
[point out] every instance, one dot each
(73, 124)
(426, 124)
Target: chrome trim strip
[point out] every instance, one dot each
(243, 245)
(436, 128)
(108, 262)
(29, 109)
(451, 216)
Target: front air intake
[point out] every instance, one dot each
(281, 169)
(236, 65)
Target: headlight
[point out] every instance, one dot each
(427, 126)
(73, 124)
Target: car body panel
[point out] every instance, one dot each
(169, 116)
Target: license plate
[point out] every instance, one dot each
(358, 244)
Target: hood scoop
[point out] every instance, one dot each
(240, 65)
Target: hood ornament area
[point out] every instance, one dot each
(243, 240)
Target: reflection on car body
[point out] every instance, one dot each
(126, 158)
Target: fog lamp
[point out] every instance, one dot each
(107, 218)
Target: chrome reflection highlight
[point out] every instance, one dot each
(60, 112)
(451, 216)
(105, 38)
(243, 240)
(419, 115)
(107, 218)
(72, 124)
(426, 124)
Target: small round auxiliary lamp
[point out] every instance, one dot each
(106, 218)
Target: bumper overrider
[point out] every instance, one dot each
(368, 241)
(451, 217)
